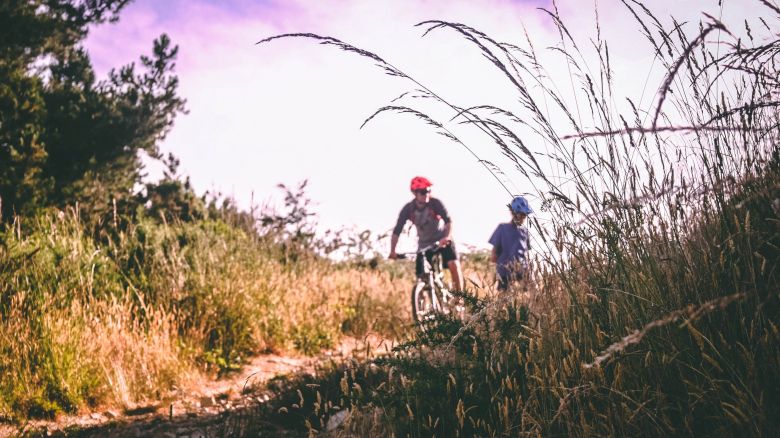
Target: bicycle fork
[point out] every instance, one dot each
(436, 284)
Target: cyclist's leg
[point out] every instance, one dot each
(521, 287)
(503, 282)
(423, 304)
(450, 257)
(429, 255)
(456, 272)
(419, 267)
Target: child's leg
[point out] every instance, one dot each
(503, 282)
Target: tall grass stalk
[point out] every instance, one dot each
(654, 308)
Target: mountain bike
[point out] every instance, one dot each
(430, 297)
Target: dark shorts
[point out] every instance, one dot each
(448, 254)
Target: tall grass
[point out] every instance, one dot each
(654, 309)
(124, 315)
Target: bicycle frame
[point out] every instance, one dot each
(429, 286)
(434, 277)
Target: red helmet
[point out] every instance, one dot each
(420, 183)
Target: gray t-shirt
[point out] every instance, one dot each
(430, 221)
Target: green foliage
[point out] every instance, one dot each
(118, 295)
(21, 152)
(122, 312)
(187, 269)
(311, 337)
(292, 228)
(67, 138)
(171, 198)
(40, 277)
(35, 28)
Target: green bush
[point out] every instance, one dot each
(119, 319)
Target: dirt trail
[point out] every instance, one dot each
(195, 412)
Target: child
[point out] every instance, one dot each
(511, 245)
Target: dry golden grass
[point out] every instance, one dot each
(85, 322)
(139, 361)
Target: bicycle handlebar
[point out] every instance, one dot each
(406, 255)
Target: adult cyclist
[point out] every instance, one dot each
(433, 224)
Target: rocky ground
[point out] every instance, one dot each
(200, 412)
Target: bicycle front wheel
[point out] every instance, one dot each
(424, 307)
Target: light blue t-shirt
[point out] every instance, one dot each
(512, 243)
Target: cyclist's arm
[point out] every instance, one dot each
(447, 234)
(494, 255)
(393, 243)
(399, 226)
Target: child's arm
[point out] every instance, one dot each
(496, 242)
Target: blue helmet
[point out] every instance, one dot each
(520, 205)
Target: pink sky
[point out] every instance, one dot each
(290, 110)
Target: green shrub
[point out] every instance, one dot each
(119, 319)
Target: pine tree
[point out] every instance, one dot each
(64, 136)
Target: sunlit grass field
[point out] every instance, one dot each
(653, 308)
(126, 317)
